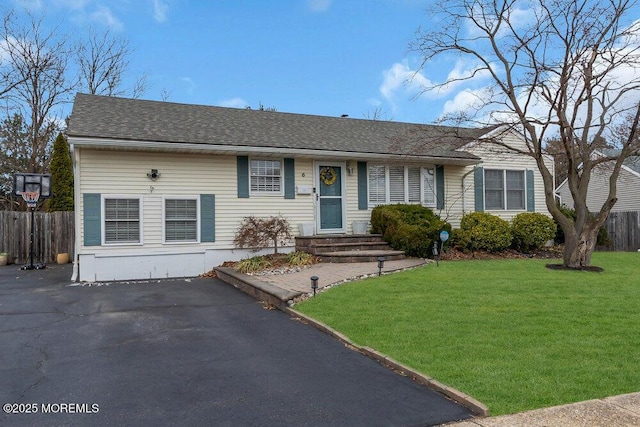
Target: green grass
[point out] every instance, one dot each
(510, 333)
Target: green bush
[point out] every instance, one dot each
(531, 230)
(603, 235)
(408, 228)
(460, 239)
(486, 232)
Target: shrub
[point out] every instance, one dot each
(460, 239)
(486, 232)
(61, 177)
(531, 230)
(408, 228)
(603, 235)
(261, 233)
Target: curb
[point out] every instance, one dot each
(262, 291)
(475, 406)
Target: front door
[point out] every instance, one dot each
(330, 197)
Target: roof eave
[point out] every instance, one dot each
(131, 145)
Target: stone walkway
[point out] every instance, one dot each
(332, 273)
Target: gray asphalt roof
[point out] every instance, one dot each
(114, 118)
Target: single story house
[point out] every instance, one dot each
(628, 186)
(161, 187)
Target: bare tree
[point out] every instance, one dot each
(8, 76)
(102, 61)
(376, 114)
(39, 59)
(556, 68)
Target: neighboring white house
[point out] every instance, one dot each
(628, 187)
(161, 188)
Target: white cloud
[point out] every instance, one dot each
(465, 100)
(319, 5)
(160, 9)
(235, 102)
(400, 78)
(104, 16)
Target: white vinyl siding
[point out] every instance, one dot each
(266, 176)
(180, 220)
(401, 184)
(495, 195)
(122, 220)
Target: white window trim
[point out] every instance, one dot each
(504, 190)
(103, 219)
(268, 193)
(387, 189)
(164, 222)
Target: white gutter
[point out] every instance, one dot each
(234, 150)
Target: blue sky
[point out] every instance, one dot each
(325, 57)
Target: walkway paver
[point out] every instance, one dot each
(332, 273)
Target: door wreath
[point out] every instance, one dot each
(328, 175)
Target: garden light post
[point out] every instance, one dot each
(314, 284)
(380, 265)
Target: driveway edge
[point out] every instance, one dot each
(475, 406)
(258, 289)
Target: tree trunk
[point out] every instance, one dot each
(579, 247)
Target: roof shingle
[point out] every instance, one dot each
(102, 117)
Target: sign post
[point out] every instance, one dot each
(444, 236)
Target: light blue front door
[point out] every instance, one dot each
(331, 201)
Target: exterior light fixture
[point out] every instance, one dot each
(154, 174)
(380, 265)
(314, 284)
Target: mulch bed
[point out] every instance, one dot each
(452, 254)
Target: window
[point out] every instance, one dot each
(121, 220)
(504, 188)
(401, 184)
(266, 176)
(180, 220)
(377, 185)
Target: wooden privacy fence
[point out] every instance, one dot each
(53, 235)
(624, 230)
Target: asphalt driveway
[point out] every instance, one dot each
(183, 352)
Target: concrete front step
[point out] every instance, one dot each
(322, 248)
(361, 256)
(304, 242)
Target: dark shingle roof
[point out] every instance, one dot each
(114, 118)
(632, 162)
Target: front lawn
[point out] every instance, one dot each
(510, 333)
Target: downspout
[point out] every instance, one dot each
(76, 223)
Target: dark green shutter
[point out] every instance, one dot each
(440, 187)
(478, 191)
(207, 218)
(243, 177)
(363, 195)
(531, 195)
(92, 213)
(289, 179)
